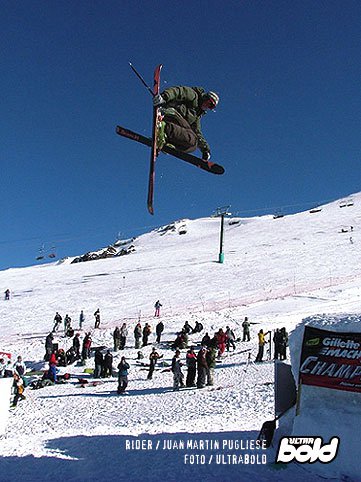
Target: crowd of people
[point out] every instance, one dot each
(193, 368)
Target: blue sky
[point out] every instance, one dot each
(287, 128)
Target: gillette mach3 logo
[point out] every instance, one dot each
(307, 450)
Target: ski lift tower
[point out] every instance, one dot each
(221, 212)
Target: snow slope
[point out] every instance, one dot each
(276, 271)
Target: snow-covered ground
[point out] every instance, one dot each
(276, 271)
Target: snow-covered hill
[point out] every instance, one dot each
(275, 271)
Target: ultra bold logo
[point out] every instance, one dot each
(307, 450)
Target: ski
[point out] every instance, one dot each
(208, 166)
(154, 151)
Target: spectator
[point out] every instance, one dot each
(191, 361)
(7, 294)
(277, 346)
(87, 342)
(52, 367)
(187, 328)
(157, 307)
(198, 327)
(230, 341)
(202, 367)
(246, 333)
(261, 344)
(137, 334)
(97, 318)
(221, 341)
(19, 367)
(177, 371)
(116, 338)
(57, 321)
(206, 340)
(146, 332)
(76, 345)
(2, 367)
(98, 361)
(8, 370)
(123, 336)
(81, 320)
(159, 330)
(48, 346)
(283, 343)
(153, 357)
(18, 386)
(108, 364)
(123, 368)
(67, 323)
(211, 356)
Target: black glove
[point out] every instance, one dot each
(206, 156)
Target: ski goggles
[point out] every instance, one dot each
(210, 103)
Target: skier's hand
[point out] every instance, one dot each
(158, 100)
(206, 156)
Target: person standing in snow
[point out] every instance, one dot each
(157, 307)
(146, 332)
(76, 345)
(221, 341)
(283, 343)
(52, 367)
(211, 356)
(57, 321)
(81, 320)
(48, 346)
(202, 367)
(98, 361)
(123, 368)
(7, 294)
(177, 371)
(123, 336)
(116, 338)
(276, 341)
(87, 342)
(159, 330)
(153, 358)
(97, 318)
(230, 341)
(246, 326)
(67, 323)
(191, 361)
(261, 343)
(137, 335)
(108, 364)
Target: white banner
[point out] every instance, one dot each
(5, 394)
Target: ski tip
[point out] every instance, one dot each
(150, 209)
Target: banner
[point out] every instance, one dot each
(5, 395)
(331, 359)
(5, 354)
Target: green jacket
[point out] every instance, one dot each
(187, 101)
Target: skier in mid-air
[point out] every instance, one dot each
(182, 109)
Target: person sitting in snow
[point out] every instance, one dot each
(18, 387)
(19, 367)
